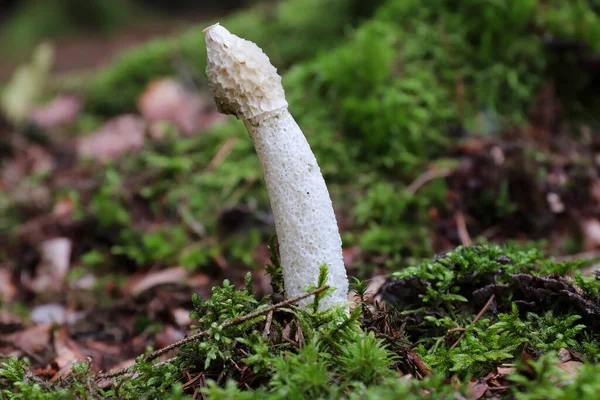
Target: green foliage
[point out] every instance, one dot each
(321, 281)
(93, 258)
(149, 381)
(336, 357)
(444, 273)
(589, 284)
(275, 270)
(105, 205)
(554, 333)
(295, 25)
(303, 375)
(451, 343)
(576, 19)
(367, 360)
(483, 346)
(396, 220)
(160, 246)
(17, 381)
(225, 304)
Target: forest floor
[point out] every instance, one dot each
(111, 223)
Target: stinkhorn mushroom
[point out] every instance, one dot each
(245, 84)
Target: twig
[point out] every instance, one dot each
(477, 318)
(187, 217)
(268, 325)
(427, 176)
(419, 364)
(222, 153)
(105, 382)
(227, 324)
(461, 225)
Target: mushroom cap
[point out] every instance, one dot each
(243, 80)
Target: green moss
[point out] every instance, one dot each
(376, 103)
(288, 33)
(355, 355)
(445, 293)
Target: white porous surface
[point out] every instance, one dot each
(240, 75)
(304, 218)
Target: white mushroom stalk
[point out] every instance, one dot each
(245, 84)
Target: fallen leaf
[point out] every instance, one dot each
(8, 289)
(140, 283)
(476, 390)
(571, 367)
(591, 233)
(9, 322)
(168, 100)
(54, 265)
(59, 112)
(67, 350)
(198, 280)
(182, 317)
(32, 340)
(119, 135)
(67, 354)
(504, 371)
(564, 355)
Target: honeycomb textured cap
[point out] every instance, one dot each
(240, 75)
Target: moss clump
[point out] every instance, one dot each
(531, 307)
(299, 353)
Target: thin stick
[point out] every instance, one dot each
(419, 364)
(461, 225)
(222, 153)
(427, 176)
(268, 325)
(227, 324)
(477, 318)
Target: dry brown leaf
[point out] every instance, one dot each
(198, 280)
(9, 322)
(8, 290)
(504, 371)
(571, 367)
(67, 354)
(591, 233)
(32, 340)
(168, 100)
(117, 136)
(54, 266)
(67, 350)
(476, 390)
(182, 317)
(59, 112)
(140, 283)
(564, 355)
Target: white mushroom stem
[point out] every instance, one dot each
(245, 84)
